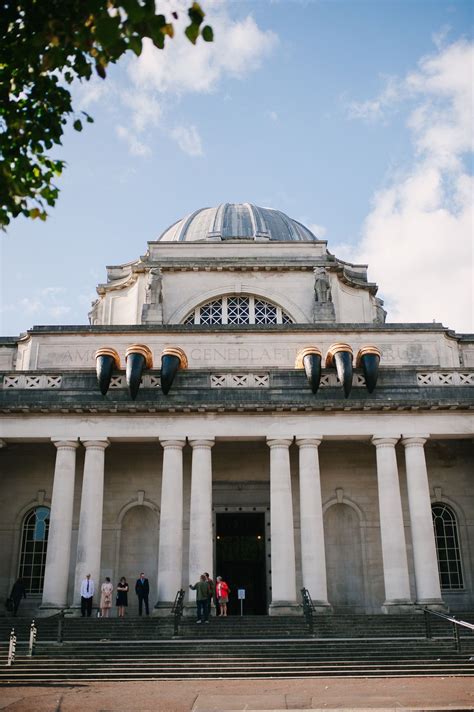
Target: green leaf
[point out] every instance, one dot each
(192, 33)
(207, 34)
(136, 45)
(77, 125)
(196, 14)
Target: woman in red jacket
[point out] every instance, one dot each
(222, 593)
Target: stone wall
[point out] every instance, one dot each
(241, 479)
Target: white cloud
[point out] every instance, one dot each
(239, 47)
(418, 237)
(135, 146)
(188, 139)
(146, 110)
(318, 230)
(46, 303)
(181, 68)
(374, 109)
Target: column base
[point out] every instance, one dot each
(322, 607)
(433, 604)
(162, 609)
(285, 608)
(398, 607)
(50, 609)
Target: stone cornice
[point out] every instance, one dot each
(326, 327)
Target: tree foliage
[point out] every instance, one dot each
(44, 46)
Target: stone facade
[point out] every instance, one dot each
(343, 486)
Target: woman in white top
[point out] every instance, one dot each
(106, 597)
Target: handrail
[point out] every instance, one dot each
(308, 609)
(451, 619)
(177, 610)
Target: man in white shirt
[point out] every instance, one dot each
(87, 594)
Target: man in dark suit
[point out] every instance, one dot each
(142, 589)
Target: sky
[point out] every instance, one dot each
(354, 117)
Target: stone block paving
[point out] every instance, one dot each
(341, 695)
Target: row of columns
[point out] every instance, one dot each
(170, 555)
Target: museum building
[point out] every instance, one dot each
(239, 405)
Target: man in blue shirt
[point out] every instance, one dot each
(87, 594)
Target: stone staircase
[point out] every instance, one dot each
(249, 647)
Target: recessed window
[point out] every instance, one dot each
(34, 543)
(447, 547)
(238, 309)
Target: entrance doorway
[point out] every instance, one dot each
(240, 559)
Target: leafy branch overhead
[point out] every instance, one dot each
(44, 46)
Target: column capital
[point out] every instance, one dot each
(279, 442)
(173, 443)
(314, 441)
(96, 444)
(414, 440)
(63, 444)
(385, 440)
(205, 443)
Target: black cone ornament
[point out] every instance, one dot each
(105, 361)
(138, 358)
(340, 356)
(172, 359)
(309, 358)
(369, 359)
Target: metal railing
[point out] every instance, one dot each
(308, 609)
(450, 619)
(177, 610)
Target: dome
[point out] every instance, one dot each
(237, 221)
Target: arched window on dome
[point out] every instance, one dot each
(34, 543)
(447, 547)
(238, 309)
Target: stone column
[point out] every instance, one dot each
(313, 555)
(58, 554)
(89, 542)
(200, 522)
(394, 554)
(282, 532)
(428, 591)
(170, 552)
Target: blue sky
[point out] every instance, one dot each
(353, 117)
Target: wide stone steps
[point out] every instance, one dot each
(248, 659)
(233, 627)
(233, 647)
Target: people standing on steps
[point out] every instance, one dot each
(87, 595)
(121, 600)
(211, 593)
(142, 589)
(106, 591)
(17, 593)
(202, 597)
(222, 593)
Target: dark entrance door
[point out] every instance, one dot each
(240, 559)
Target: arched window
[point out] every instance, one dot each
(447, 547)
(238, 309)
(34, 542)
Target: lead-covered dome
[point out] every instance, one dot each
(237, 221)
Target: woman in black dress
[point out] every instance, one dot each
(122, 597)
